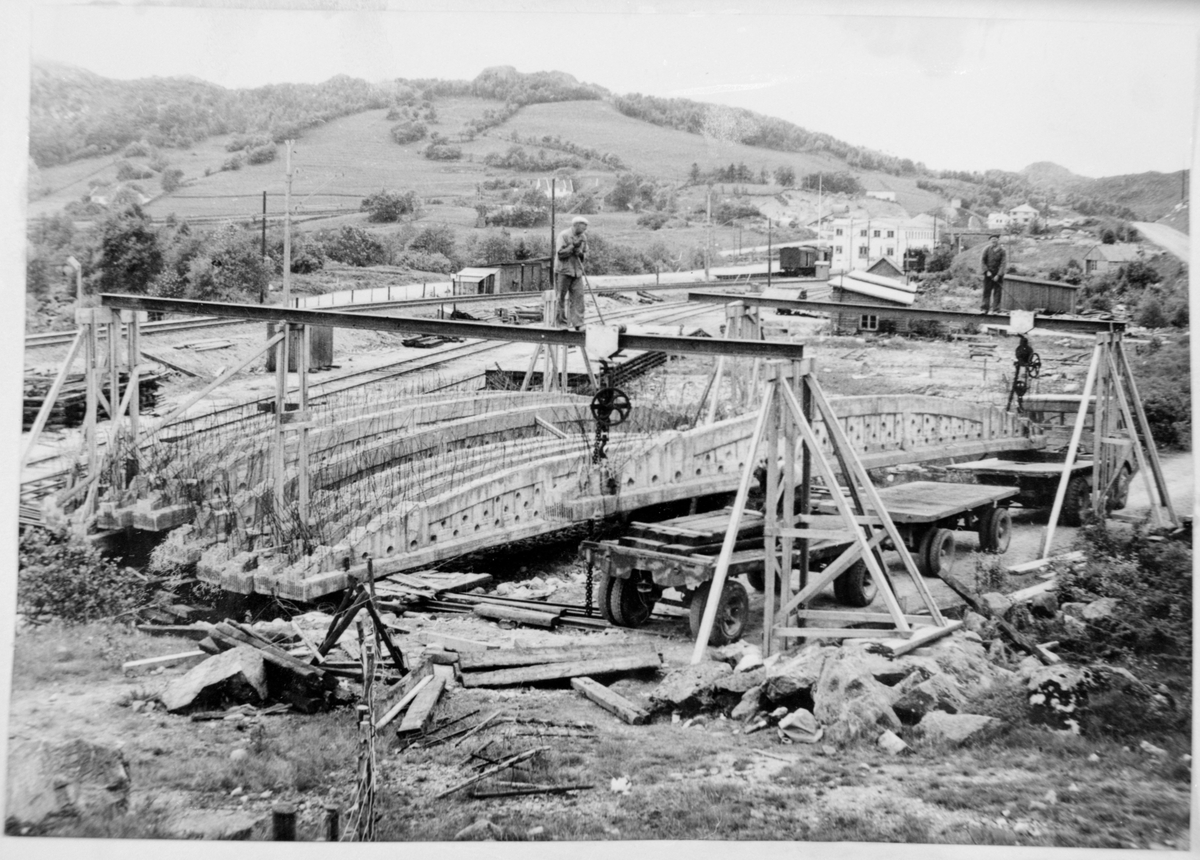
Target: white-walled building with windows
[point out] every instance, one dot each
(859, 243)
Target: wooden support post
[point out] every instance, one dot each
(774, 567)
(39, 423)
(277, 449)
(283, 823)
(786, 373)
(533, 361)
(735, 520)
(302, 443)
(134, 338)
(1137, 447)
(89, 419)
(1100, 429)
(1144, 426)
(332, 822)
(114, 370)
(1072, 449)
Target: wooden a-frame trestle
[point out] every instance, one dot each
(785, 424)
(1116, 399)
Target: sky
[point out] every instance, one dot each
(1100, 88)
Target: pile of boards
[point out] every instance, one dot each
(71, 403)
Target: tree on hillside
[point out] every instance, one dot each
(694, 174)
(231, 267)
(128, 255)
(435, 239)
(785, 176)
(388, 206)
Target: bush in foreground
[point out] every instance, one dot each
(63, 577)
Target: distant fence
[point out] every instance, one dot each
(370, 295)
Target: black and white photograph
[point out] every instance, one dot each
(748, 427)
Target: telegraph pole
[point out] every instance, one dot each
(262, 293)
(553, 238)
(708, 230)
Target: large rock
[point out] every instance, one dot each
(750, 704)
(914, 697)
(1058, 694)
(850, 702)
(964, 659)
(797, 674)
(236, 676)
(690, 687)
(215, 824)
(48, 781)
(954, 728)
(996, 603)
(740, 682)
(1100, 610)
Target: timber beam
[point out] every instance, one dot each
(1053, 323)
(454, 328)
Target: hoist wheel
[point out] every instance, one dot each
(611, 406)
(1035, 366)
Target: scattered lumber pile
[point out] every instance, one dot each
(519, 315)
(429, 341)
(71, 403)
(515, 666)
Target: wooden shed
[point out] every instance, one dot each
(475, 281)
(885, 267)
(525, 276)
(1031, 294)
(856, 322)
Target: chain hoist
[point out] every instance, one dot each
(610, 407)
(1027, 365)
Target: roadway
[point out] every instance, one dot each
(1179, 244)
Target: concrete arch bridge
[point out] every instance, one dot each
(410, 481)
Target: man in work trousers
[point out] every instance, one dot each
(572, 249)
(995, 263)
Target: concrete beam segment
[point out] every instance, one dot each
(455, 328)
(1054, 323)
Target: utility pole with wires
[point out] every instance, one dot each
(708, 230)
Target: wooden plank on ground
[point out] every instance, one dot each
(197, 631)
(416, 719)
(520, 616)
(612, 702)
(921, 636)
(1016, 636)
(453, 643)
(223, 634)
(1038, 564)
(560, 671)
(404, 702)
(1026, 594)
(505, 658)
(164, 660)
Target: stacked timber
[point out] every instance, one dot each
(71, 404)
(510, 667)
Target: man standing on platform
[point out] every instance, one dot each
(571, 251)
(995, 263)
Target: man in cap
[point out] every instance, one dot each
(995, 263)
(571, 251)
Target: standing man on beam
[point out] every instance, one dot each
(572, 249)
(995, 264)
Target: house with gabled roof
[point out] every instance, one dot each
(1103, 258)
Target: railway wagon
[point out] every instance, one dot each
(804, 261)
(524, 276)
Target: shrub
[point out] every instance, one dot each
(443, 152)
(261, 154)
(171, 179)
(434, 239)
(138, 149)
(407, 132)
(653, 220)
(1153, 582)
(1150, 312)
(234, 163)
(424, 262)
(127, 171)
(387, 206)
(63, 577)
(354, 247)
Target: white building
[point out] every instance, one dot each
(883, 195)
(1023, 215)
(998, 220)
(859, 243)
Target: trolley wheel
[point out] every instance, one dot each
(602, 594)
(1119, 497)
(855, 587)
(757, 579)
(1077, 501)
(733, 612)
(632, 600)
(995, 530)
(936, 553)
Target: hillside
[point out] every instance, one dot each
(86, 129)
